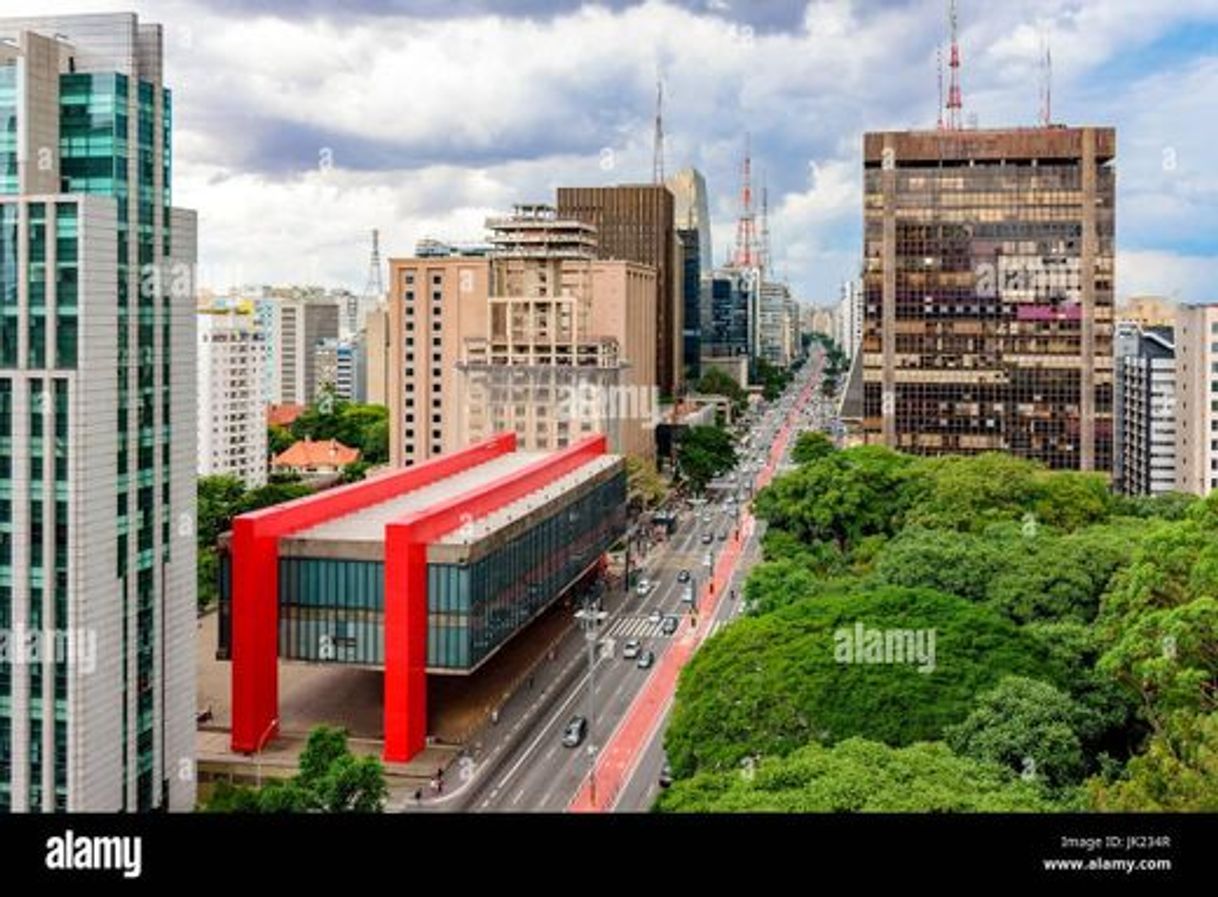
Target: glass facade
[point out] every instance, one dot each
(332, 610)
(8, 128)
(988, 339)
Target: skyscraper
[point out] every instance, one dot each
(97, 422)
(298, 325)
(636, 223)
(988, 284)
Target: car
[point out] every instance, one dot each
(573, 734)
(688, 595)
(646, 659)
(669, 626)
(665, 775)
(707, 538)
(723, 535)
(683, 576)
(632, 649)
(644, 586)
(655, 617)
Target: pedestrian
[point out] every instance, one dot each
(440, 786)
(418, 796)
(530, 683)
(495, 717)
(435, 785)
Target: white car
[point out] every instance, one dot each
(655, 617)
(644, 586)
(631, 649)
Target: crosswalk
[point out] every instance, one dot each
(635, 627)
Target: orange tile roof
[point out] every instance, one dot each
(306, 453)
(283, 415)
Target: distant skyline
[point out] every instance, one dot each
(300, 126)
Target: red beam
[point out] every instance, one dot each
(406, 542)
(255, 576)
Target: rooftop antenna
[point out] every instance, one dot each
(939, 65)
(374, 291)
(746, 226)
(1046, 83)
(955, 100)
(764, 259)
(657, 165)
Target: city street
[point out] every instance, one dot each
(520, 762)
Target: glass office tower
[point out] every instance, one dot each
(988, 285)
(97, 423)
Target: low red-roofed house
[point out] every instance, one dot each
(312, 459)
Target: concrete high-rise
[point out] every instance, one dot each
(1196, 410)
(538, 338)
(434, 301)
(298, 325)
(232, 413)
(97, 422)
(988, 290)
(1144, 410)
(637, 223)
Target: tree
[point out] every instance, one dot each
(857, 775)
(354, 472)
(329, 779)
(705, 453)
(278, 440)
(1027, 726)
(1177, 773)
(771, 683)
(812, 445)
(717, 383)
(217, 500)
(645, 487)
(840, 498)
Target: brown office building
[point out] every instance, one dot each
(635, 223)
(988, 292)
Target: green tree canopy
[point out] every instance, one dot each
(811, 445)
(1027, 726)
(705, 453)
(771, 683)
(857, 775)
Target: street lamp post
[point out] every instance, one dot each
(590, 619)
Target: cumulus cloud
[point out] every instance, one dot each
(300, 127)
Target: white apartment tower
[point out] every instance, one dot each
(97, 423)
(232, 412)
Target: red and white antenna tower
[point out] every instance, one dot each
(955, 100)
(746, 227)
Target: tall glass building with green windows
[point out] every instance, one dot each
(97, 424)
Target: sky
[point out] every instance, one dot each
(300, 125)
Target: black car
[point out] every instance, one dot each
(683, 576)
(573, 735)
(665, 776)
(646, 660)
(669, 626)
